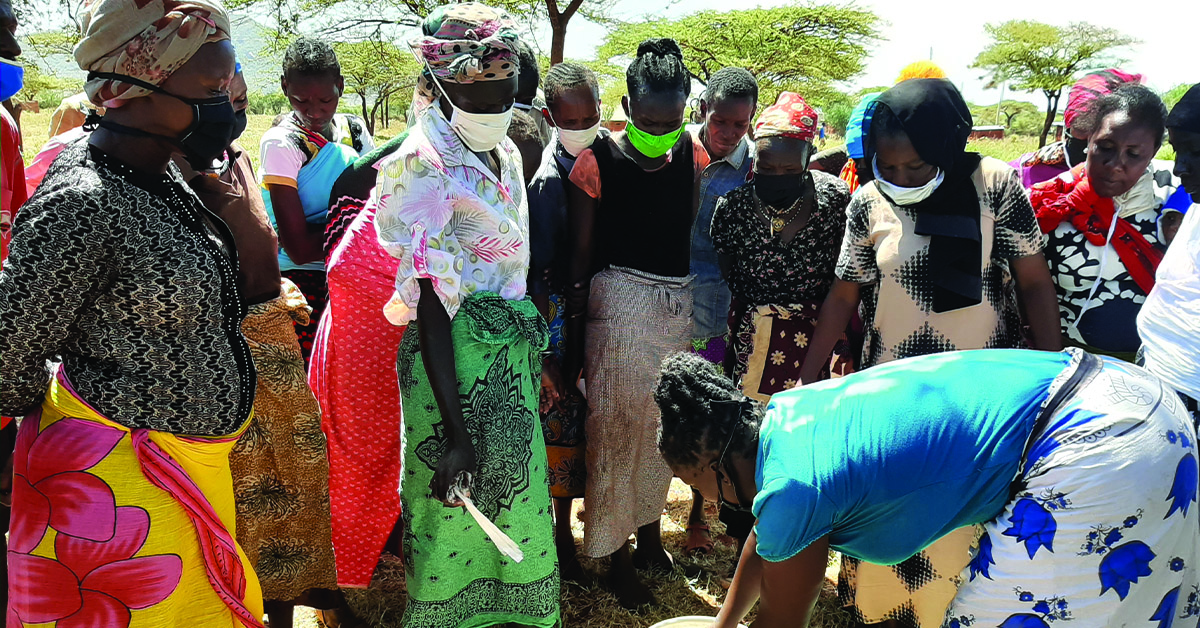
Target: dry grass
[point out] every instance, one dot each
(693, 588)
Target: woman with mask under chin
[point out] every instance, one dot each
(943, 252)
(1108, 223)
(452, 208)
(629, 305)
(122, 497)
(778, 238)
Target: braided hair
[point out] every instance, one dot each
(658, 68)
(701, 410)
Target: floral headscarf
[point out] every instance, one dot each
(144, 39)
(465, 43)
(790, 116)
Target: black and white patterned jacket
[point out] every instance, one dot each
(115, 274)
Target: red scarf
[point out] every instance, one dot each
(1057, 200)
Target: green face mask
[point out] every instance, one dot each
(651, 146)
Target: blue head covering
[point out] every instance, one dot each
(860, 123)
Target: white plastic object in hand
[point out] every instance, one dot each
(503, 543)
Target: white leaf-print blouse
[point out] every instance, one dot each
(447, 218)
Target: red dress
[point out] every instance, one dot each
(353, 374)
(12, 179)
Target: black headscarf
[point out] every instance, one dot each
(1185, 115)
(938, 123)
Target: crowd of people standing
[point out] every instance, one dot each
(234, 391)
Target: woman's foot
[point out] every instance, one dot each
(623, 580)
(650, 552)
(699, 541)
(569, 567)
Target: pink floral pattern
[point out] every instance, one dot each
(97, 578)
(448, 218)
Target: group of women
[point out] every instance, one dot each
(159, 314)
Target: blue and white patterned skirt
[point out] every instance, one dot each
(1104, 531)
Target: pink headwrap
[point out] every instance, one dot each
(790, 116)
(1092, 86)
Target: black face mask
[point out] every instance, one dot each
(204, 141)
(780, 191)
(239, 124)
(1076, 150)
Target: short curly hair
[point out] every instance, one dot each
(309, 56)
(702, 410)
(1139, 102)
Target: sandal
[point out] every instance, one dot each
(699, 541)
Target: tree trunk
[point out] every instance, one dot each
(1051, 111)
(558, 27)
(370, 123)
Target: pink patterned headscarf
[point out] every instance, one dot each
(1091, 87)
(144, 39)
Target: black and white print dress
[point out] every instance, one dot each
(1105, 319)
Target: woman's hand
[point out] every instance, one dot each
(458, 459)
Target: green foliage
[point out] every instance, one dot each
(1017, 116)
(47, 89)
(800, 48)
(1032, 56)
(270, 103)
(1174, 95)
(375, 71)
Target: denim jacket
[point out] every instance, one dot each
(711, 291)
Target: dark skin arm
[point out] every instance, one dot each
(836, 311)
(581, 220)
(437, 354)
(551, 374)
(1038, 302)
(786, 591)
(302, 241)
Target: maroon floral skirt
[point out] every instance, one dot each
(769, 345)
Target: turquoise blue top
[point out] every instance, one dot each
(888, 460)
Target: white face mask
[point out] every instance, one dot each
(575, 141)
(481, 132)
(906, 196)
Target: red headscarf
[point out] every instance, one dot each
(1092, 86)
(790, 116)
(1057, 200)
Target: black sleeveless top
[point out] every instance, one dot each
(644, 219)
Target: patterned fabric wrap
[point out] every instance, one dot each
(849, 174)
(455, 575)
(790, 116)
(1103, 529)
(771, 342)
(353, 374)
(468, 42)
(280, 471)
(563, 427)
(108, 520)
(1091, 87)
(634, 321)
(313, 287)
(914, 593)
(144, 39)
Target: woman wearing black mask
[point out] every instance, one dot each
(119, 271)
(778, 239)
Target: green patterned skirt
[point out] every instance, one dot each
(456, 578)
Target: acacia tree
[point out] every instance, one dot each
(1033, 56)
(375, 71)
(804, 48)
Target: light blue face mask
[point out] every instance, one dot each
(12, 78)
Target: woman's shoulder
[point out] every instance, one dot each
(828, 185)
